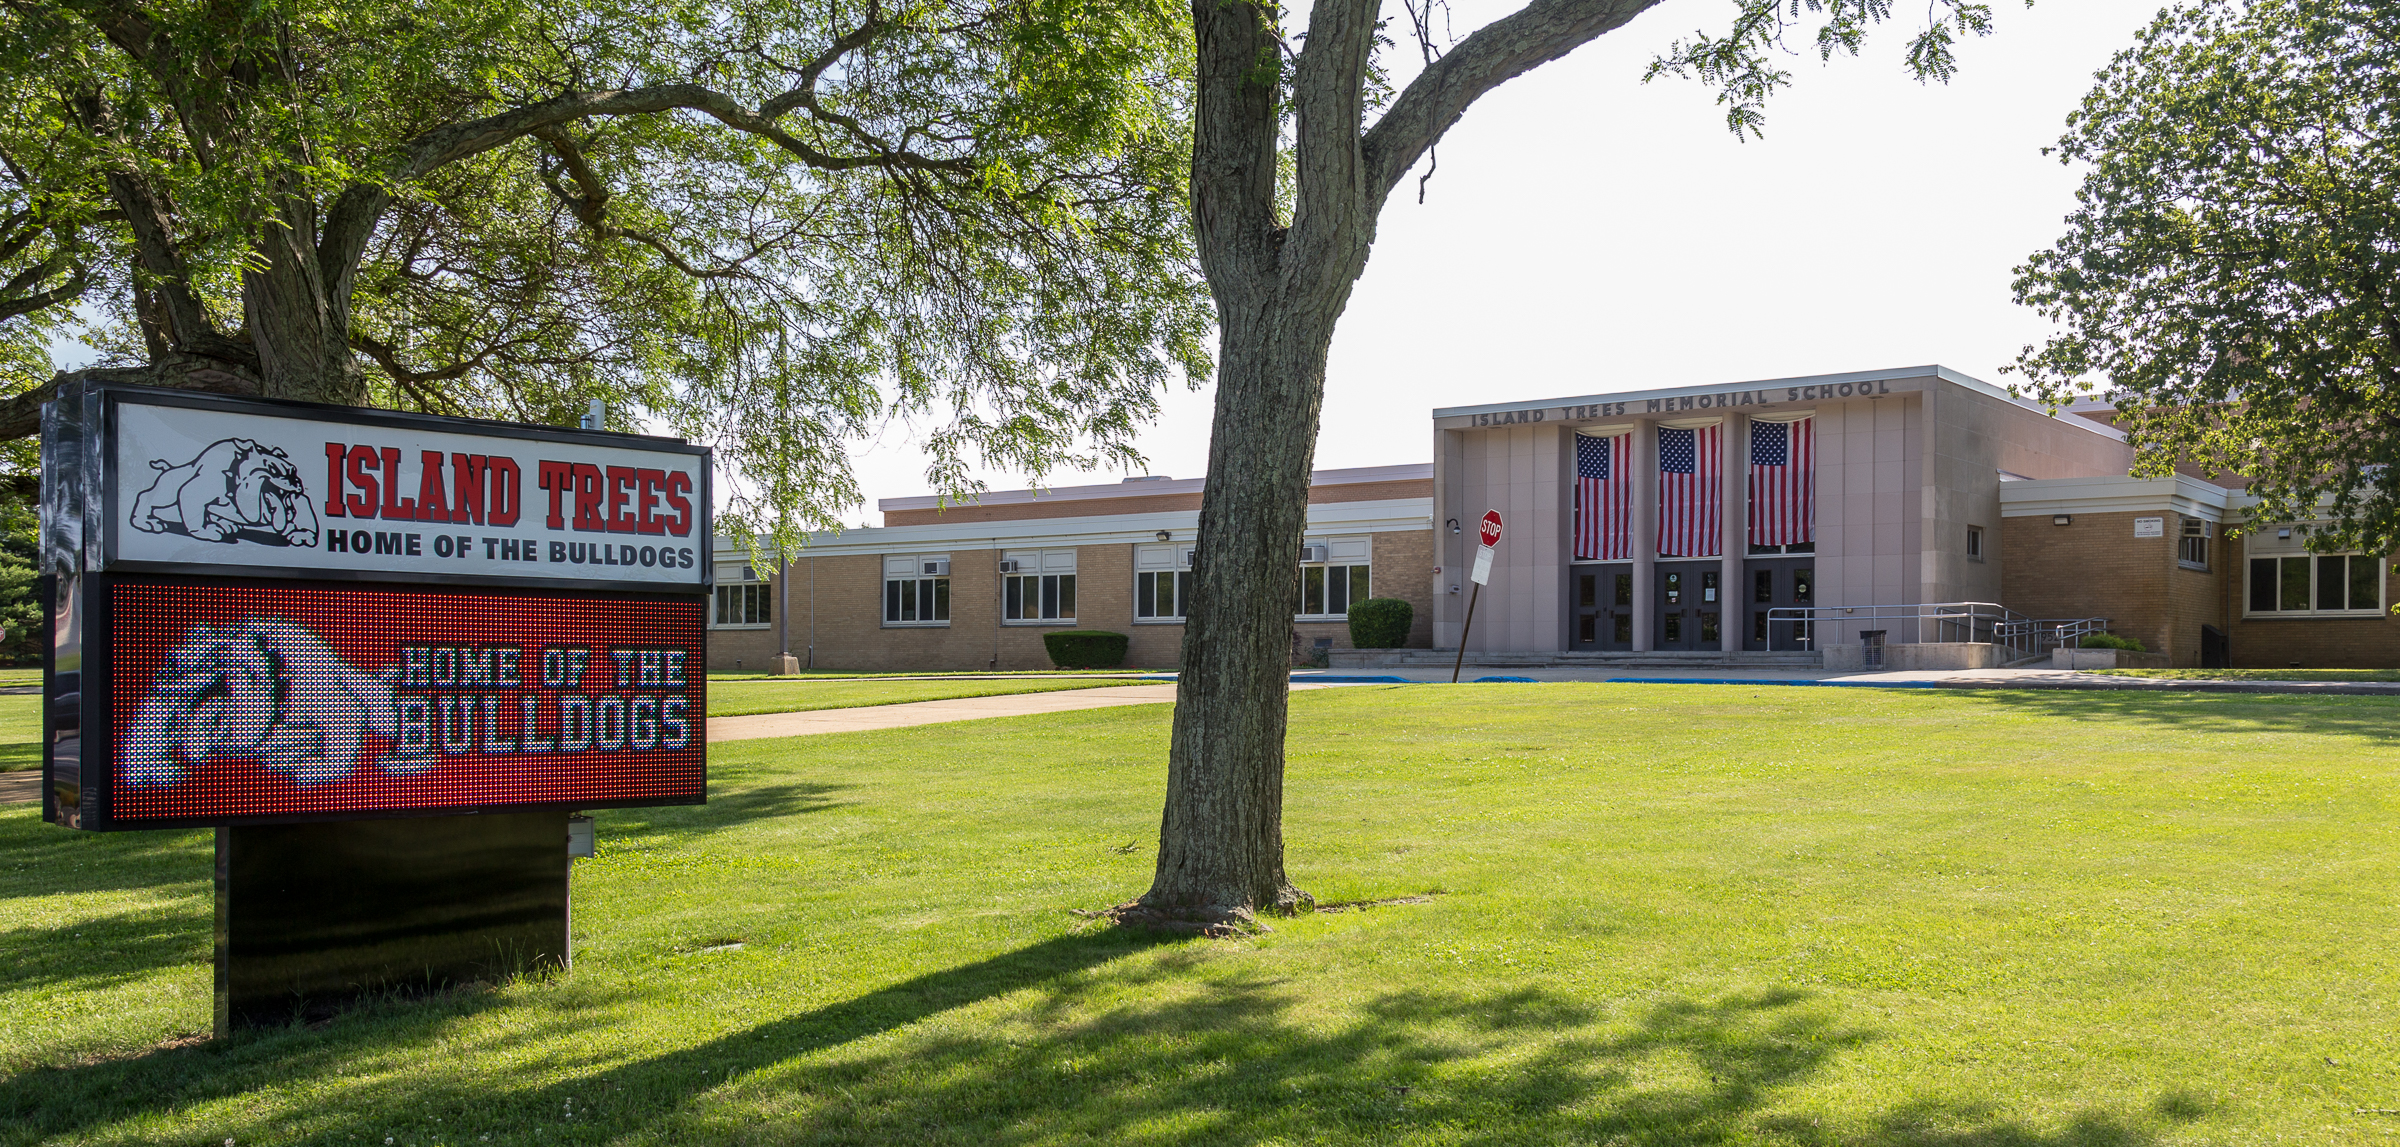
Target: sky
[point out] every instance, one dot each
(1587, 232)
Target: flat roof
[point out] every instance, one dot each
(1147, 487)
(1929, 370)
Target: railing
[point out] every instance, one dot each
(1815, 626)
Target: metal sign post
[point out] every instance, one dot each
(1489, 531)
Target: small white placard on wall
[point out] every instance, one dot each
(2149, 527)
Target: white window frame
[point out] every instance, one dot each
(923, 593)
(1049, 575)
(1342, 553)
(2250, 566)
(1172, 561)
(746, 586)
(2205, 535)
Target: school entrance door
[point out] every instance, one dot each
(1600, 607)
(1691, 605)
(1773, 583)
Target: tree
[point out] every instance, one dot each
(1280, 280)
(764, 224)
(2231, 273)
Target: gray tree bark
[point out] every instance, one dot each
(1279, 293)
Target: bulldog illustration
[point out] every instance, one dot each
(263, 689)
(234, 486)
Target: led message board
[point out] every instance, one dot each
(438, 616)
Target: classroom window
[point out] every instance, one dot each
(1333, 575)
(1974, 543)
(916, 589)
(1162, 582)
(2191, 550)
(743, 600)
(1037, 586)
(2302, 584)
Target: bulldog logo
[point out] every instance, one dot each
(236, 487)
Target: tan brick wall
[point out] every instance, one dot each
(836, 605)
(2311, 642)
(2095, 567)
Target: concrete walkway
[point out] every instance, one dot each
(934, 712)
(16, 788)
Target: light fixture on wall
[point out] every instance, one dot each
(1166, 535)
(2062, 519)
(1453, 525)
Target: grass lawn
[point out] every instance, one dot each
(820, 674)
(2257, 674)
(1660, 915)
(20, 732)
(786, 695)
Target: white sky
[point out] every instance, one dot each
(1587, 232)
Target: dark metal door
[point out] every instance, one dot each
(1600, 607)
(1770, 583)
(1691, 606)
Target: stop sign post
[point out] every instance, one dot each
(1489, 530)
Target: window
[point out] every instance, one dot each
(1757, 550)
(2316, 584)
(1974, 543)
(1162, 582)
(1333, 574)
(916, 589)
(2191, 550)
(743, 599)
(1037, 586)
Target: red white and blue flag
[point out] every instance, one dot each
(1691, 492)
(1603, 498)
(1783, 482)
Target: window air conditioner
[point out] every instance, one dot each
(1313, 552)
(1191, 557)
(937, 567)
(1008, 565)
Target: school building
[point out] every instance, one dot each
(1902, 518)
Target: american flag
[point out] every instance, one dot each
(1603, 498)
(1691, 492)
(1783, 482)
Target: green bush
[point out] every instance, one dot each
(1085, 648)
(1380, 623)
(2112, 641)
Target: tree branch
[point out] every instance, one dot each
(1536, 34)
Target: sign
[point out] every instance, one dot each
(228, 703)
(2149, 527)
(1491, 528)
(277, 612)
(1482, 573)
(195, 483)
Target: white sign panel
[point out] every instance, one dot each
(2149, 527)
(1483, 566)
(245, 487)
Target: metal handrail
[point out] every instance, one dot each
(1939, 621)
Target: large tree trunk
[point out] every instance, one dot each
(1279, 292)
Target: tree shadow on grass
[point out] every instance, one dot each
(2375, 719)
(1088, 1046)
(101, 951)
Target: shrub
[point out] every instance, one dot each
(2112, 641)
(1380, 623)
(1085, 648)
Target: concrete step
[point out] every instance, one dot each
(1663, 659)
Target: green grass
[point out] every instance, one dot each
(840, 673)
(1662, 915)
(785, 695)
(20, 732)
(2257, 674)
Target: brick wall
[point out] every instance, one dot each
(836, 605)
(2095, 567)
(2311, 642)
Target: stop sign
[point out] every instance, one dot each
(1491, 527)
